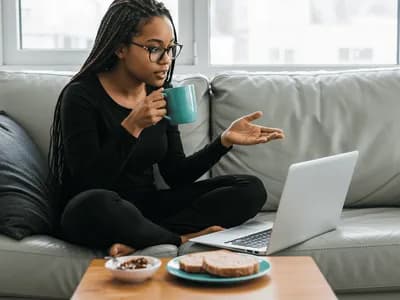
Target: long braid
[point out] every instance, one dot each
(120, 23)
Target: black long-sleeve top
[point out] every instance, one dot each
(100, 153)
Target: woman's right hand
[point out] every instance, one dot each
(146, 113)
(187, 237)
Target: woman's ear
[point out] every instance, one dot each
(121, 51)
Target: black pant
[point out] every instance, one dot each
(100, 218)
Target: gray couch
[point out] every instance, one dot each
(322, 113)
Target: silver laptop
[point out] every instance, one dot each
(311, 204)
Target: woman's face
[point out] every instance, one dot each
(157, 32)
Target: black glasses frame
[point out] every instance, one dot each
(165, 50)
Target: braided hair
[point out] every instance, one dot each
(120, 24)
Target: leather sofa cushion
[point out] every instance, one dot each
(24, 198)
(322, 113)
(30, 99)
(197, 134)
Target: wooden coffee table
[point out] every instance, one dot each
(291, 277)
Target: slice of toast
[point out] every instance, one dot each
(229, 264)
(193, 263)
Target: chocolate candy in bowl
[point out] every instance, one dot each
(133, 268)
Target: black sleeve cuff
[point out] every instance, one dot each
(128, 139)
(217, 146)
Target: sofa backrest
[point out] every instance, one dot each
(30, 98)
(322, 113)
(194, 135)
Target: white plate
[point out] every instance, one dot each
(173, 268)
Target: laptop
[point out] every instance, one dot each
(311, 204)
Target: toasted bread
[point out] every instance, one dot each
(229, 264)
(193, 263)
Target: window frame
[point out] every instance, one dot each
(195, 37)
(13, 55)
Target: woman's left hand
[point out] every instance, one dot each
(243, 132)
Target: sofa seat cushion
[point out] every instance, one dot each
(56, 266)
(361, 255)
(25, 206)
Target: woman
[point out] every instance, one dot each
(109, 130)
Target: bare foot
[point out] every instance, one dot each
(186, 237)
(120, 250)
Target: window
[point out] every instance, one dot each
(303, 32)
(44, 26)
(216, 34)
(48, 32)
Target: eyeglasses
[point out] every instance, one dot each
(157, 53)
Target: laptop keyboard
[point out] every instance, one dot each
(255, 240)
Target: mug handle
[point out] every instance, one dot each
(166, 116)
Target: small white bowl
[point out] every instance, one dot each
(134, 275)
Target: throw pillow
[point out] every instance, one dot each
(24, 198)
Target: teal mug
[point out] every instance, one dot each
(181, 104)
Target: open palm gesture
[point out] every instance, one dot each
(243, 132)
